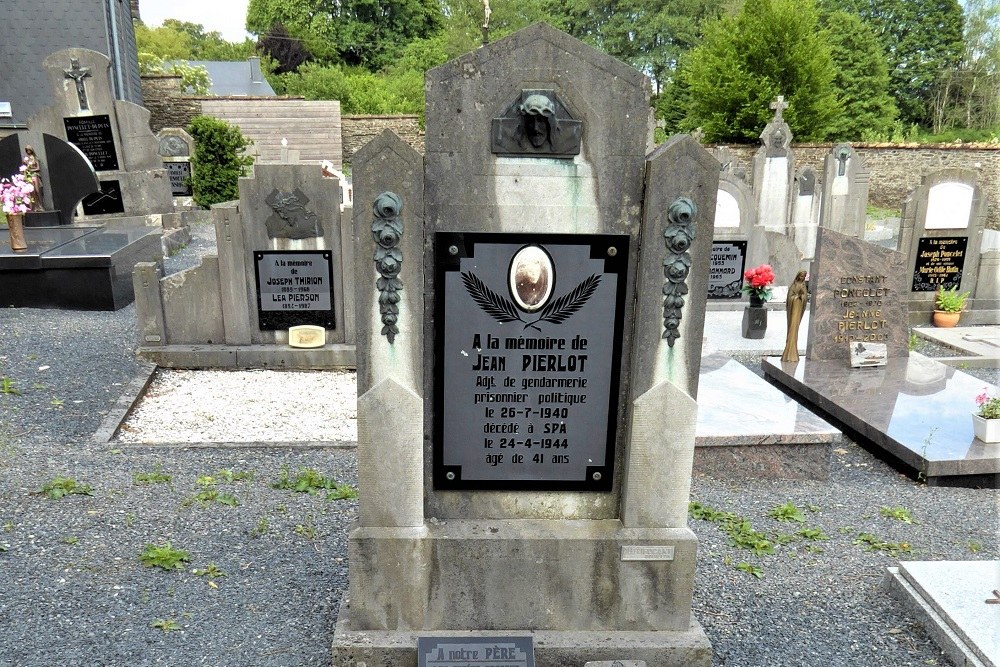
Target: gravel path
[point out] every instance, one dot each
(74, 592)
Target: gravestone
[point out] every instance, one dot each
(175, 149)
(284, 254)
(845, 191)
(734, 222)
(72, 177)
(500, 489)
(773, 171)
(805, 213)
(912, 409)
(114, 136)
(942, 230)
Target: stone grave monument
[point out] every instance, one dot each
(284, 259)
(175, 147)
(806, 202)
(530, 303)
(845, 191)
(942, 232)
(734, 222)
(113, 134)
(913, 409)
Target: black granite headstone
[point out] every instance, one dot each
(93, 136)
(939, 263)
(105, 202)
(71, 176)
(10, 155)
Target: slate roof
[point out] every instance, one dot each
(34, 30)
(236, 78)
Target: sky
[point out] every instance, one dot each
(226, 16)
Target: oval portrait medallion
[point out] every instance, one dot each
(532, 277)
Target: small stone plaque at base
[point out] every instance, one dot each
(306, 336)
(475, 652)
(864, 355)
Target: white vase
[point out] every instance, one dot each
(987, 430)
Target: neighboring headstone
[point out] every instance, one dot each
(496, 375)
(72, 175)
(845, 191)
(734, 222)
(805, 213)
(943, 221)
(858, 292)
(113, 135)
(773, 171)
(175, 149)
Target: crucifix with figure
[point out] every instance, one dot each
(779, 105)
(78, 74)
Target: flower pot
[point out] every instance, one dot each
(945, 319)
(754, 322)
(756, 301)
(987, 430)
(15, 229)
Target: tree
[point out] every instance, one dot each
(651, 35)
(922, 40)
(287, 52)
(181, 40)
(861, 79)
(218, 160)
(770, 48)
(368, 33)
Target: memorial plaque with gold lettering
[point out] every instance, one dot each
(528, 357)
(939, 263)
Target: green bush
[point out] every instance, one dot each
(218, 160)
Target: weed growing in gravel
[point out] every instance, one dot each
(873, 543)
(898, 513)
(975, 547)
(71, 540)
(165, 624)
(65, 486)
(156, 476)
(8, 526)
(739, 530)
(212, 571)
(208, 496)
(342, 492)
(164, 556)
(7, 387)
(306, 530)
(812, 534)
(787, 512)
(263, 525)
(225, 476)
(308, 480)
(757, 572)
(129, 519)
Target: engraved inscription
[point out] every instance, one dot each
(648, 552)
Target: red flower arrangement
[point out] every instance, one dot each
(758, 281)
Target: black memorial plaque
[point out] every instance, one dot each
(93, 136)
(106, 201)
(528, 358)
(179, 172)
(939, 263)
(501, 651)
(725, 278)
(294, 287)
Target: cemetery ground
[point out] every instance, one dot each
(789, 572)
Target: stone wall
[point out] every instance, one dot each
(161, 94)
(897, 169)
(359, 130)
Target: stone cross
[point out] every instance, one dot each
(779, 105)
(698, 134)
(78, 74)
(486, 22)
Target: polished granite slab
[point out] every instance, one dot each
(75, 267)
(915, 409)
(747, 427)
(957, 602)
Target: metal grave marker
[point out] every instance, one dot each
(528, 360)
(294, 287)
(93, 136)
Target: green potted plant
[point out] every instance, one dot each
(986, 420)
(949, 304)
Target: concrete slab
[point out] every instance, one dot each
(771, 436)
(957, 602)
(916, 410)
(981, 341)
